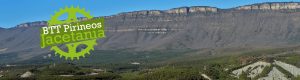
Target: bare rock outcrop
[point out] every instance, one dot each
(288, 67)
(154, 12)
(32, 24)
(203, 9)
(274, 74)
(27, 74)
(271, 6)
(185, 10)
(254, 69)
(182, 10)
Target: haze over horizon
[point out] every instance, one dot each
(27, 11)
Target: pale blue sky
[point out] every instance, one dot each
(14, 12)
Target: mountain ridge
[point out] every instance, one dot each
(168, 31)
(191, 9)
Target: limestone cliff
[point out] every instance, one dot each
(271, 6)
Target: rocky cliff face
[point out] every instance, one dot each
(271, 6)
(181, 10)
(32, 24)
(178, 28)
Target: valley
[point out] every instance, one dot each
(188, 64)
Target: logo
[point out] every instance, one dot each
(72, 33)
